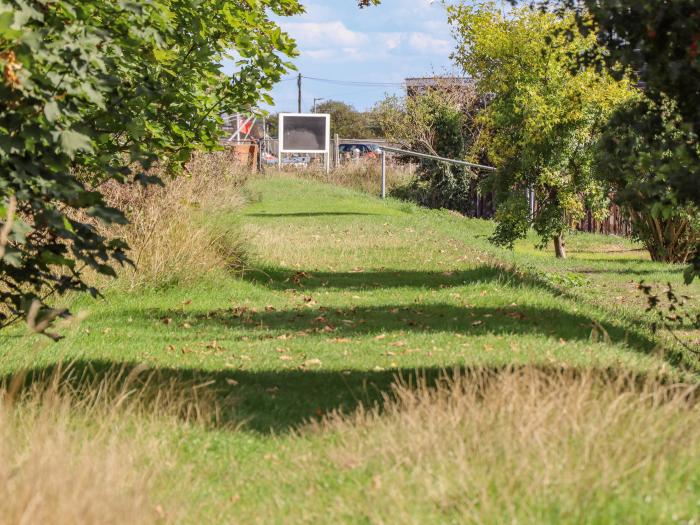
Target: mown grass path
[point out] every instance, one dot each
(344, 290)
(343, 293)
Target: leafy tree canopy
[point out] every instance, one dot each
(103, 89)
(543, 116)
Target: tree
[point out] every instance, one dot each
(659, 41)
(442, 121)
(543, 117)
(102, 89)
(346, 121)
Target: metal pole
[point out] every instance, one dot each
(383, 174)
(336, 150)
(435, 157)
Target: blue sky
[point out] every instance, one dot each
(380, 44)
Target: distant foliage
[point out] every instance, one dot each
(346, 121)
(544, 116)
(442, 122)
(94, 90)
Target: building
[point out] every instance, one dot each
(420, 85)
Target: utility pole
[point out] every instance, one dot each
(299, 87)
(317, 100)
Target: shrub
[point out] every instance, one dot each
(438, 122)
(642, 147)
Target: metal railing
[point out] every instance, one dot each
(386, 149)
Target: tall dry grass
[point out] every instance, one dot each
(517, 446)
(82, 450)
(176, 233)
(363, 175)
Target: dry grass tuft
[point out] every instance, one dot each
(81, 449)
(174, 235)
(517, 446)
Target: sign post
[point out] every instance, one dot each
(305, 133)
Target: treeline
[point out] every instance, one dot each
(567, 117)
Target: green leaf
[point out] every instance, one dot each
(73, 142)
(7, 32)
(51, 111)
(53, 258)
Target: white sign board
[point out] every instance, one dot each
(305, 133)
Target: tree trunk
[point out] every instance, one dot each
(560, 247)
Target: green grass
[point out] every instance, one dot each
(343, 292)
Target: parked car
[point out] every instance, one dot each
(359, 149)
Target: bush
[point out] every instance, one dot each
(642, 147)
(438, 122)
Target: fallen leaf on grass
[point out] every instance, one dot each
(398, 343)
(231, 382)
(477, 323)
(285, 358)
(312, 362)
(167, 320)
(516, 315)
(381, 336)
(299, 276)
(342, 340)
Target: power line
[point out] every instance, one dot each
(356, 83)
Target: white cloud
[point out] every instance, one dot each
(386, 43)
(321, 35)
(426, 43)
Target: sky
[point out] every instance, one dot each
(382, 44)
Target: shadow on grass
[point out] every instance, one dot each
(309, 214)
(280, 401)
(283, 278)
(329, 323)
